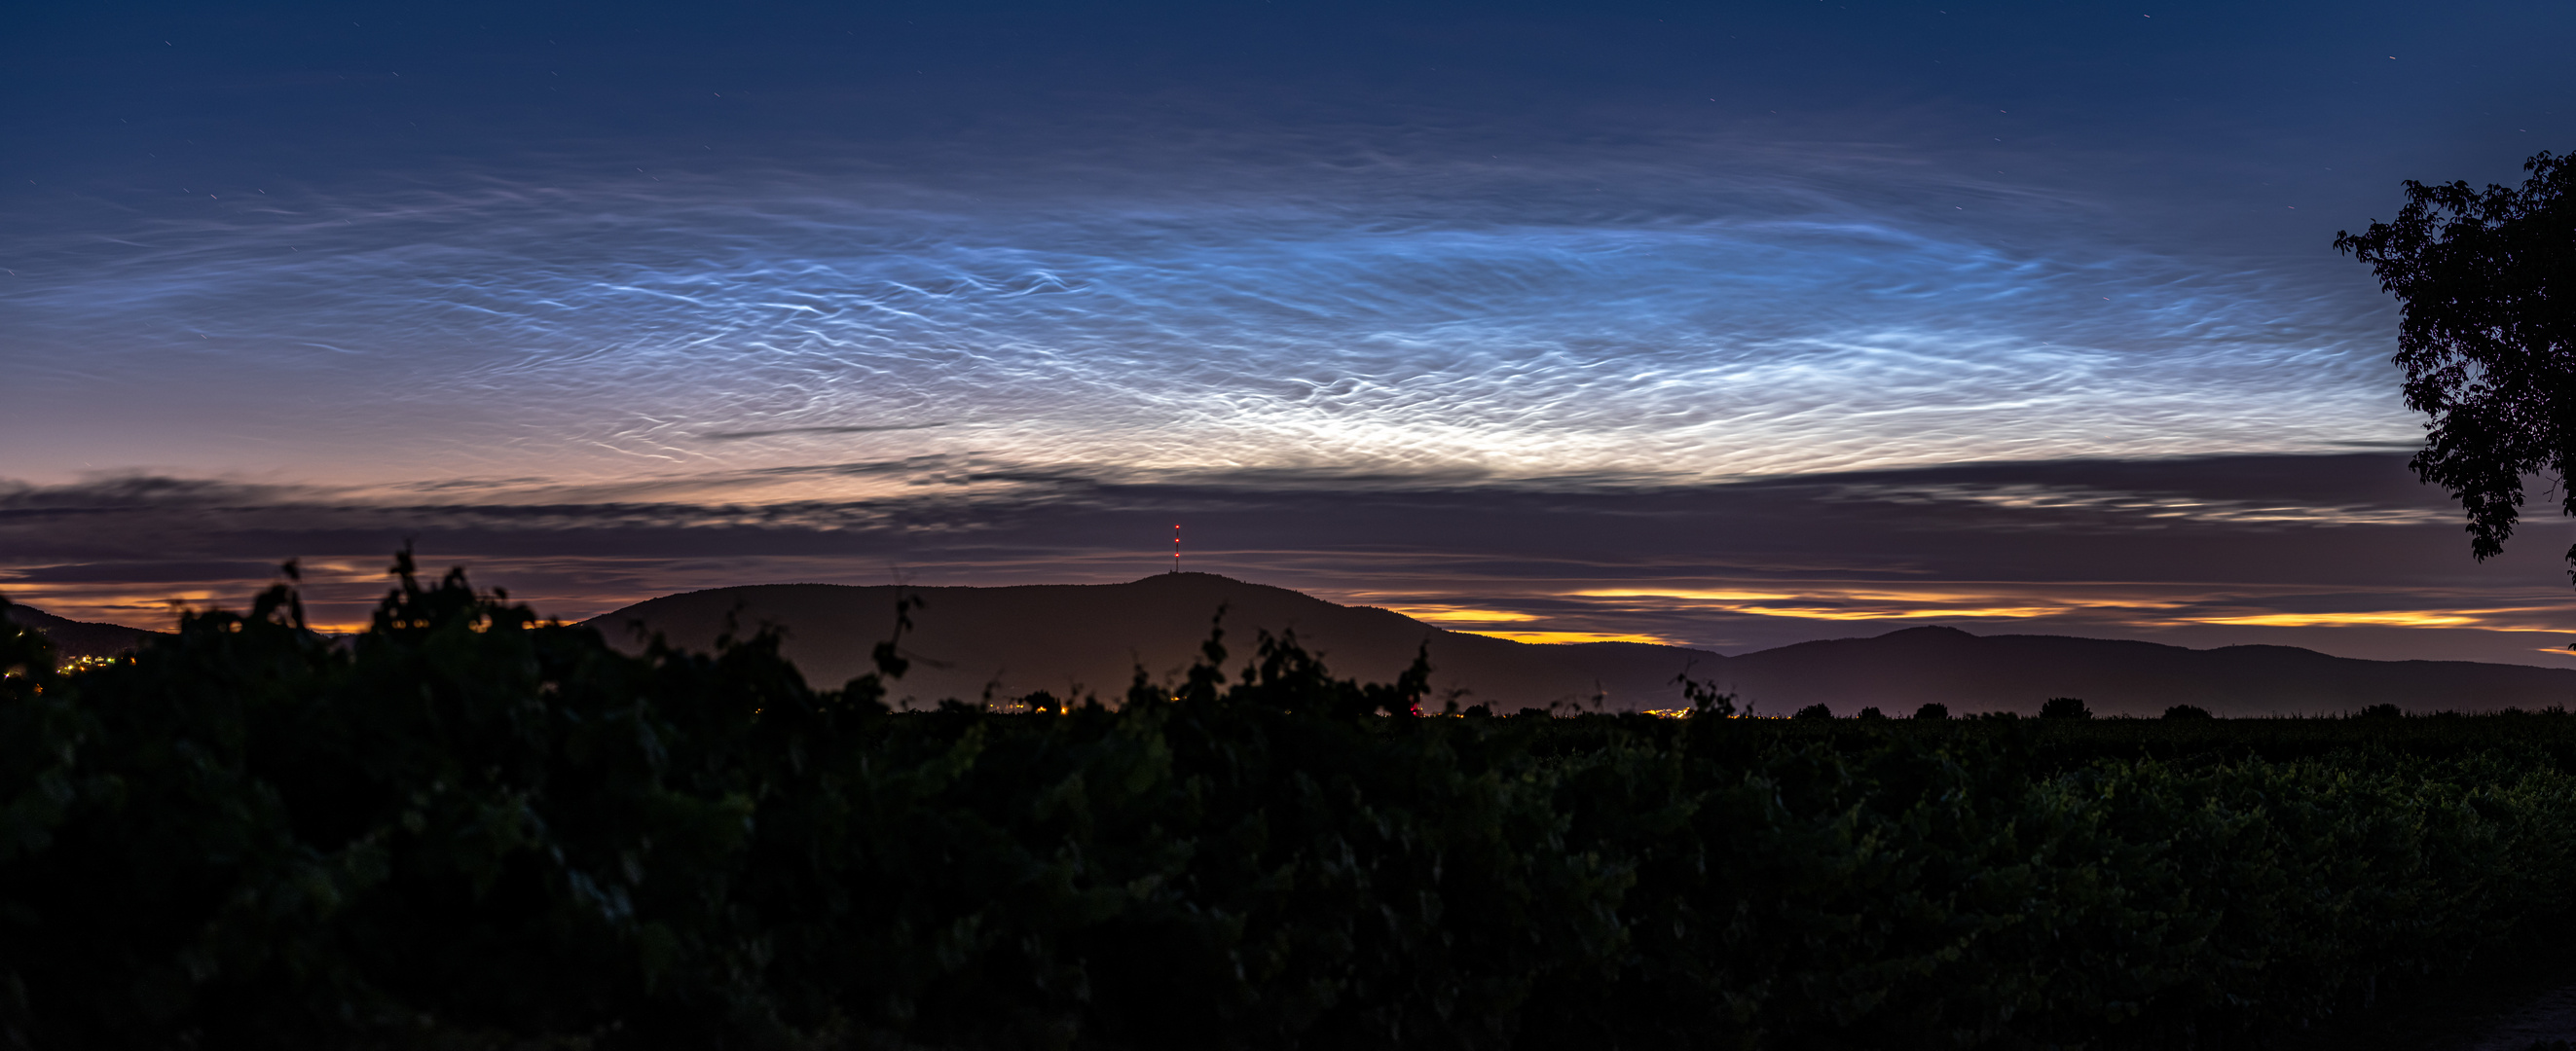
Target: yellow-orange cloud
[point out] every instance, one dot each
(1549, 637)
(1686, 593)
(1828, 613)
(1859, 604)
(2391, 619)
(2533, 618)
(1461, 615)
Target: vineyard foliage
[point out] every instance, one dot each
(466, 826)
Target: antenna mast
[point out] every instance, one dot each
(1176, 547)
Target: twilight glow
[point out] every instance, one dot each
(1421, 307)
(714, 324)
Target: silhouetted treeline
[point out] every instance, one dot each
(466, 826)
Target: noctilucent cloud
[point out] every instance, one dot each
(864, 288)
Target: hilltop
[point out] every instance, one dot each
(76, 638)
(1071, 639)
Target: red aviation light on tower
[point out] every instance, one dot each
(1176, 547)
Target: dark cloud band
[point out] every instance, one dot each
(2344, 553)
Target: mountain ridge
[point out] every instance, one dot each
(1090, 637)
(1074, 639)
(80, 638)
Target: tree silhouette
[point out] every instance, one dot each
(2065, 708)
(2488, 336)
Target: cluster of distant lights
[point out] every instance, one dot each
(71, 666)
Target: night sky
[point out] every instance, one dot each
(1723, 325)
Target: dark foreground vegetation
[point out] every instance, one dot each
(467, 828)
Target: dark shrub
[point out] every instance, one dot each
(1934, 710)
(1872, 712)
(466, 827)
(1814, 711)
(2380, 711)
(2065, 708)
(2187, 711)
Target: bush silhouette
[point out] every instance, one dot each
(467, 826)
(1933, 710)
(2187, 711)
(2064, 708)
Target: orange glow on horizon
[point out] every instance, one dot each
(2462, 618)
(2399, 619)
(1865, 604)
(1968, 604)
(1461, 615)
(1820, 613)
(1550, 638)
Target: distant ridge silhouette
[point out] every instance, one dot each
(1005, 642)
(1903, 669)
(1072, 638)
(75, 638)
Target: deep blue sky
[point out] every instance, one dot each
(868, 284)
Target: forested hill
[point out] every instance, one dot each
(1090, 638)
(2016, 672)
(1075, 638)
(74, 638)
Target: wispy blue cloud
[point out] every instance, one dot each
(1464, 308)
(1687, 325)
